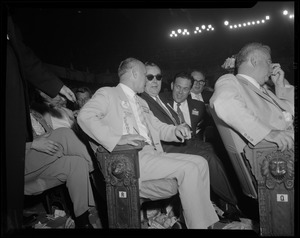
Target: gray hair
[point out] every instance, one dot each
(126, 65)
(248, 49)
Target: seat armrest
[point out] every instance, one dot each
(118, 148)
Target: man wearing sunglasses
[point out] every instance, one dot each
(118, 116)
(162, 107)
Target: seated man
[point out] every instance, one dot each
(244, 102)
(198, 91)
(83, 94)
(162, 107)
(201, 93)
(57, 114)
(117, 116)
(57, 157)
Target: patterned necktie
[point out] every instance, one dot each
(180, 114)
(166, 110)
(145, 128)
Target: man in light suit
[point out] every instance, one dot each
(165, 113)
(117, 116)
(244, 102)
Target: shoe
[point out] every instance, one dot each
(83, 222)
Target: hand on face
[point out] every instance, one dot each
(277, 75)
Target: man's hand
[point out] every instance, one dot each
(67, 93)
(283, 139)
(130, 138)
(277, 75)
(183, 132)
(45, 145)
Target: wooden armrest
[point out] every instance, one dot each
(140, 146)
(262, 144)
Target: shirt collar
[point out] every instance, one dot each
(183, 104)
(251, 80)
(128, 91)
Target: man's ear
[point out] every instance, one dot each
(172, 86)
(134, 72)
(253, 60)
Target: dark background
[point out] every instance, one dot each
(97, 36)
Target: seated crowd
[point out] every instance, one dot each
(176, 126)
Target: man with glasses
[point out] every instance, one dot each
(198, 91)
(118, 116)
(165, 109)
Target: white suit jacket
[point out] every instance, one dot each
(103, 115)
(248, 110)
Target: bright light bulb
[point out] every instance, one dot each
(226, 23)
(179, 31)
(267, 17)
(244, 24)
(212, 29)
(240, 25)
(235, 26)
(291, 16)
(195, 32)
(209, 26)
(262, 21)
(197, 28)
(230, 26)
(285, 12)
(253, 23)
(203, 27)
(258, 22)
(249, 23)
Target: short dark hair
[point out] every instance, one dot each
(244, 53)
(83, 90)
(185, 75)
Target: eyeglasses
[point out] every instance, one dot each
(199, 81)
(150, 77)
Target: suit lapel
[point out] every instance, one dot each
(249, 85)
(167, 99)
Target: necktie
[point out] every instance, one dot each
(180, 114)
(143, 130)
(165, 109)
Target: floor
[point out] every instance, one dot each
(42, 220)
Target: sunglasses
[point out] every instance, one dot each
(150, 77)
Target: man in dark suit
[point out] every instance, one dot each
(164, 107)
(21, 66)
(199, 91)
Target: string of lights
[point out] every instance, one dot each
(231, 26)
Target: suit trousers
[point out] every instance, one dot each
(71, 165)
(192, 175)
(219, 181)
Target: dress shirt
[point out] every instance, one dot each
(184, 107)
(197, 96)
